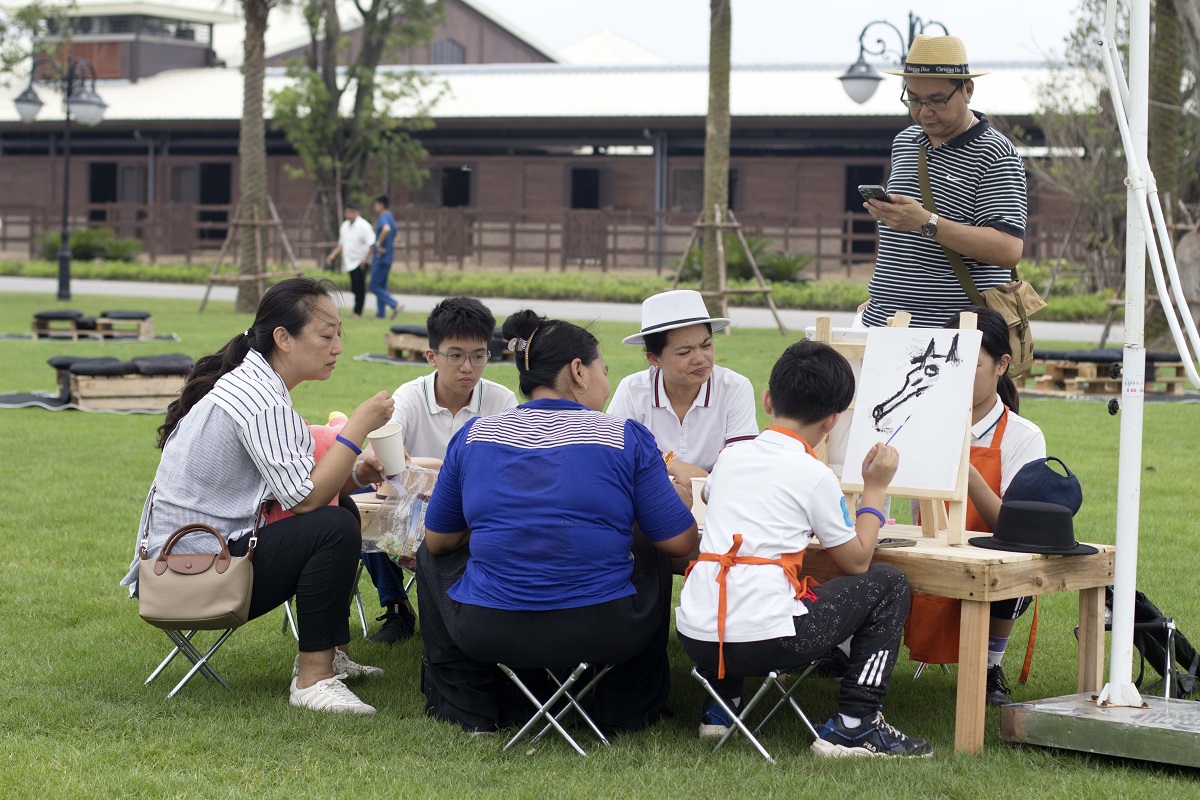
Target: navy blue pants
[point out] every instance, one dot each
(387, 576)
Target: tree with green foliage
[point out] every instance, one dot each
(716, 150)
(339, 109)
(20, 30)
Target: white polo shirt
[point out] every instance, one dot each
(356, 238)
(428, 426)
(1023, 441)
(777, 497)
(722, 414)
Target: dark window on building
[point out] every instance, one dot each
(585, 187)
(456, 186)
(687, 190)
(861, 175)
(102, 187)
(448, 51)
(216, 188)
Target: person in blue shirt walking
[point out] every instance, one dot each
(384, 250)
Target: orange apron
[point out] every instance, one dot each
(791, 564)
(932, 627)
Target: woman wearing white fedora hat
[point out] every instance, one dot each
(693, 407)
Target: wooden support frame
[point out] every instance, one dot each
(264, 271)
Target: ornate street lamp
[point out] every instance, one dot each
(76, 81)
(861, 80)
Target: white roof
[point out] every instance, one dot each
(552, 91)
(608, 48)
(203, 11)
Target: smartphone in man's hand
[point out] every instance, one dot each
(874, 192)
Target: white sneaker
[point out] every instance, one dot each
(343, 664)
(329, 695)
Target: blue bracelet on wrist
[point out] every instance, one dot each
(357, 450)
(875, 511)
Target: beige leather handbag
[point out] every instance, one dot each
(195, 591)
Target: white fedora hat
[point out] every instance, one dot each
(937, 57)
(676, 309)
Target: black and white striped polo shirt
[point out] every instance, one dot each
(977, 179)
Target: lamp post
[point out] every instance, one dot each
(860, 79)
(76, 80)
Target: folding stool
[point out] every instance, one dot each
(561, 693)
(200, 661)
(773, 678)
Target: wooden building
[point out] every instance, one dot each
(532, 162)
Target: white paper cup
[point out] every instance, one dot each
(388, 444)
(699, 507)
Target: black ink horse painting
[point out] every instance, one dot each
(927, 368)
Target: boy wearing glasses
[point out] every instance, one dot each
(977, 185)
(431, 409)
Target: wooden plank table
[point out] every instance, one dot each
(977, 577)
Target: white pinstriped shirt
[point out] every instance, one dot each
(240, 445)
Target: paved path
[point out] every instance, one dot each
(796, 320)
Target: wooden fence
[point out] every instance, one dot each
(477, 238)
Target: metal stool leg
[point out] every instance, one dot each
(202, 664)
(543, 708)
(573, 704)
(362, 616)
(738, 722)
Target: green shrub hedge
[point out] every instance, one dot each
(823, 295)
(89, 244)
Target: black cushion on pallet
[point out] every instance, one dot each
(412, 330)
(85, 324)
(1106, 355)
(119, 368)
(126, 315)
(169, 364)
(58, 313)
(497, 346)
(65, 362)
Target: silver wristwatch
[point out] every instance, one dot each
(929, 229)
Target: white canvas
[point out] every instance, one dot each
(839, 437)
(920, 379)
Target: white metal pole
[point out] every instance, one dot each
(1120, 690)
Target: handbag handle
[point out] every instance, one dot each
(223, 557)
(179, 533)
(956, 260)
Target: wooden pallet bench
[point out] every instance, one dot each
(1074, 378)
(407, 342)
(125, 325)
(125, 392)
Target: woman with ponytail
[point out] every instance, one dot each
(1001, 443)
(232, 441)
(558, 553)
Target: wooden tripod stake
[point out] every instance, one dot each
(723, 291)
(263, 270)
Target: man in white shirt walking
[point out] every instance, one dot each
(356, 240)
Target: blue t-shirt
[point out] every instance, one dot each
(389, 241)
(550, 491)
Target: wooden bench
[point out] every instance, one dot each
(125, 392)
(1074, 378)
(407, 342)
(61, 324)
(119, 327)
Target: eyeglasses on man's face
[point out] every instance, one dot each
(933, 104)
(457, 359)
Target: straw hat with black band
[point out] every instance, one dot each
(937, 57)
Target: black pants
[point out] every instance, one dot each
(463, 643)
(314, 557)
(870, 607)
(358, 285)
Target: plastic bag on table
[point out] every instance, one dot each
(398, 528)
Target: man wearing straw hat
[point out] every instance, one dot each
(976, 182)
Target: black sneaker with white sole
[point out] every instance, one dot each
(998, 693)
(873, 737)
(399, 623)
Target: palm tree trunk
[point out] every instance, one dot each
(252, 157)
(716, 150)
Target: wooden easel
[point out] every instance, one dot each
(263, 270)
(940, 510)
(723, 291)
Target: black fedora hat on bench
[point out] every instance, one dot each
(1028, 526)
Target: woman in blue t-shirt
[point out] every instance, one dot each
(547, 542)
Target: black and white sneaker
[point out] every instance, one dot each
(399, 623)
(997, 687)
(874, 737)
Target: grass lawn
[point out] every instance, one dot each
(75, 720)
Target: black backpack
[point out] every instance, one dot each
(1150, 639)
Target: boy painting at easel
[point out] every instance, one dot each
(767, 499)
